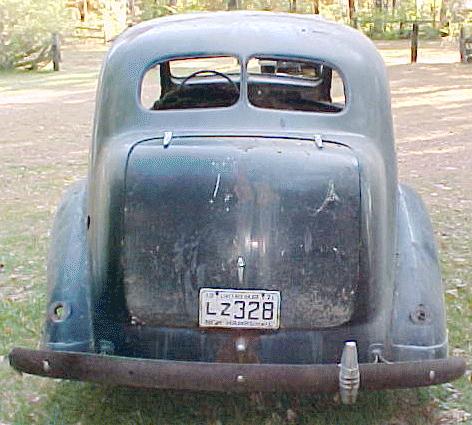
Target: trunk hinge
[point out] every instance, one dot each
(167, 139)
(318, 141)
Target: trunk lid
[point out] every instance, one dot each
(288, 208)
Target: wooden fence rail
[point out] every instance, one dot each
(41, 55)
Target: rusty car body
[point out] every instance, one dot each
(244, 231)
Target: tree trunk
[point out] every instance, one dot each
(132, 11)
(233, 4)
(414, 43)
(443, 13)
(83, 10)
(316, 7)
(378, 20)
(56, 51)
(462, 45)
(352, 13)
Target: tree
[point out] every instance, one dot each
(233, 4)
(26, 29)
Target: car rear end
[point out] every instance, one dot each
(242, 227)
(241, 271)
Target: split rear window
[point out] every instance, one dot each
(215, 82)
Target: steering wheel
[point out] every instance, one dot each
(176, 92)
(208, 71)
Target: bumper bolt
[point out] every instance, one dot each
(46, 365)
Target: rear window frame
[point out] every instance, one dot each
(244, 77)
(288, 58)
(241, 78)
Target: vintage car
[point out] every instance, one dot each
(242, 227)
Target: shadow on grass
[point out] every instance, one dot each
(88, 404)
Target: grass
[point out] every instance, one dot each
(40, 157)
(65, 403)
(457, 274)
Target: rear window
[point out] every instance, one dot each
(214, 82)
(202, 82)
(182, 68)
(291, 84)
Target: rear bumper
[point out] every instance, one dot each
(229, 376)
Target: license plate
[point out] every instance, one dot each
(234, 308)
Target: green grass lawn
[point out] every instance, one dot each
(44, 134)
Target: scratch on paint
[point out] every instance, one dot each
(330, 197)
(217, 186)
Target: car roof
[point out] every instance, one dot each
(244, 34)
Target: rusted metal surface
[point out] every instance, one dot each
(227, 376)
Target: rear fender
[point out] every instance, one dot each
(68, 325)
(418, 327)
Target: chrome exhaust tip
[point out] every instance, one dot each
(349, 375)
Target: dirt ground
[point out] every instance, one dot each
(45, 131)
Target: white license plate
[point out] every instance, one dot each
(234, 308)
